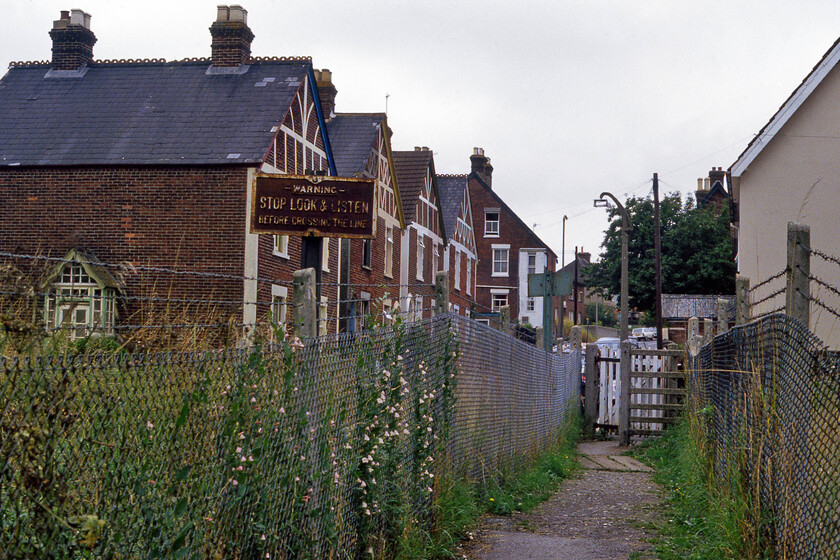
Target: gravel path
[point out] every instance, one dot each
(600, 515)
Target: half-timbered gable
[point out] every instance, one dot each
(423, 238)
(361, 145)
(460, 256)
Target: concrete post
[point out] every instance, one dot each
(708, 331)
(624, 394)
(591, 392)
(798, 294)
(305, 306)
(441, 292)
(692, 337)
(540, 341)
(577, 338)
(722, 316)
(504, 320)
(742, 300)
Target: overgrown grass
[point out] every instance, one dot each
(705, 519)
(460, 504)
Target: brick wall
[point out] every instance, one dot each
(190, 219)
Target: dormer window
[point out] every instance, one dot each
(80, 295)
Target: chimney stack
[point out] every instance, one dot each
(326, 92)
(72, 41)
(481, 166)
(232, 37)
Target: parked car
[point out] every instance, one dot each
(643, 333)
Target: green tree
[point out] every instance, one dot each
(696, 252)
(604, 314)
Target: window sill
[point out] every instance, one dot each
(281, 255)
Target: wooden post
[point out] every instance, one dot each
(305, 307)
(742, 300)
(624, 394)
(591, 392)
(798, 294)
(722, 316)
(441, 292)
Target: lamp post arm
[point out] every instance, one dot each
(625, 217)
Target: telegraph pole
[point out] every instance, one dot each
(657, 250)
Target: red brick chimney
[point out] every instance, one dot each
(72, 41)
(232, 37)
(481, 166)
(326, 92)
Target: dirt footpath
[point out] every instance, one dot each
(601, 515)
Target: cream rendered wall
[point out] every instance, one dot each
(796, 178)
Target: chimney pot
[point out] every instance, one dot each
(231, 45)
(326, 92)
(239, 14)
(72, 41)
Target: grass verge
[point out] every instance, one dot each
(460, 503)
(703, 518)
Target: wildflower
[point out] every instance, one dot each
(241, 435)
(151, 481)
(303, 457)
(297, 479)
(262, 538)
(234, 481)
(149, 425)
(282, 411)
(253, 399)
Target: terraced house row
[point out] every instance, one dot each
(131, 182)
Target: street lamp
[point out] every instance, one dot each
(626, 227)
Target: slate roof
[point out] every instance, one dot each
(681, 306)
(451, 191)
(411, 167)
(144, 113)
(352, 138)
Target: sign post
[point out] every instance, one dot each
(547, 285)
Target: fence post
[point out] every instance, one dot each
(722, 316)
(576, 338)
(441, 292)
(624, 395)
(708, 331)
(742, 300)
(540, 340)
(504, 320)
(692, 336)
(591, 391)
(798, 294)
(305, 307)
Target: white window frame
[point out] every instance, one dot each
(279, 305)
(457, 270)
(531, 304)
(280, 246)
(499, 261)
(325, 254)
(421, 255)
(492, 231)
(77, 291)
(495, 297)
(389, 252)
(435, 258)
(323, 312)
(532, 269)
(469, 275)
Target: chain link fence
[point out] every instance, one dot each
(330, 448)
(769, 395)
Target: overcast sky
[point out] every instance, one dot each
(568, 98)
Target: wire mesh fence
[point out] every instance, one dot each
(329, 448)
(769, 393)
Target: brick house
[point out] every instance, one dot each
(369, 268)
(423, 239)
(137, 166)
(508, 250)
(461, 255)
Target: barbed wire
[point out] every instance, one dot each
(130, 267)
(828, 308)
(767, 313)
(777, 293)
(768, 280)
(825, 257)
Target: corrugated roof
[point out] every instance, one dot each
(411, 167)
(352, 137)
(144, 113)
(681, 306)
(451, 189)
